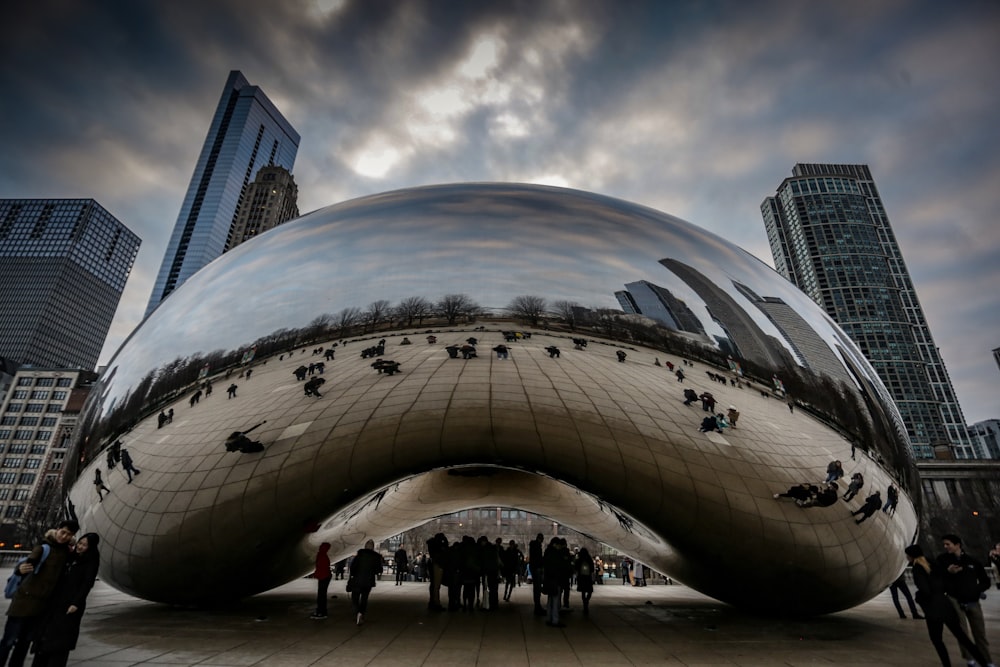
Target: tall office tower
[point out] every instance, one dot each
(830, 236)
(37, 420)
(270, 200)
(986, 438)
(247, 133)
(63, 266)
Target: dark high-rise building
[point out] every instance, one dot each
(270, 200)
(63, 266)
(830, 235)
(247, 133)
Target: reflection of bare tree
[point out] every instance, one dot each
(453, 306)
(346, 319)
(413, 308)
(527, 307)
(566, 310)
(375, 314)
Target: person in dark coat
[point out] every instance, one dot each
(365, 568)
(558, 569)
(60, 626)
(31, 600)
(938, 610)
(585, 572)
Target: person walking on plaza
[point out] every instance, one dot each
(231, 390)
(558, 569)
(938, 610)
(99, 484)
(30, 602)
(585, 572)
(897, 587)
(323, 576)
(365, 568)
(402, 562)
(537, 564)
(965, 579)
(60, 627)
(127, 465)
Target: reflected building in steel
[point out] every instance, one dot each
(385, 291)
(830, 236)
(247, 133)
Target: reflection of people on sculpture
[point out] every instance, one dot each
(468, 351)
(312, 387)
(386, 366)
(891, 500)
(501, 350)
(579, 343)
(680, 375)
(834, 471)
(799, 492)
(161, 419)
(733, 415)
(621, 356)
(707, 401)
(857, 483)
(452, 351)
(231, 390)
(690, 396)
(873, 503)
(825, 498)
(709, 423)
(239, 442)
(300, 373)
(553, 351)
(99, 484)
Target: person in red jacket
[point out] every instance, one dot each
(322, 575)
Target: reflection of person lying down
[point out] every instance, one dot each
(239, 442)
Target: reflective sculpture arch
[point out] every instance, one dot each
(599, 442)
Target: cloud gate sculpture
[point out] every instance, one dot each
(408, 429)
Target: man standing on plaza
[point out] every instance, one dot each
(965, 581)
(537, 565)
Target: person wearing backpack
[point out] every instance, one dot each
(32, 597)
(59, 627)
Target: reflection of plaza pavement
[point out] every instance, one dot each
(622, 425)
(680, 628)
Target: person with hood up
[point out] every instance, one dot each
(60, 626)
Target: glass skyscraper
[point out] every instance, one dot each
(63, 266)
(247, 133)
(830, 236)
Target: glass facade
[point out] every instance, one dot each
(830, 235)
(63, 266)
(247, 133)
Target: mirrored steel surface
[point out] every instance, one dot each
(476, 260)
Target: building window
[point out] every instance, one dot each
(23, 434)
(4, 434)
(19, 448)
(12, 463)
(35, 407)
(20, 494)
(20, 394)
(4, 494)
(8, 477)
(14, 511)
(43, 435)
(40, 395)
(24, 382)
(26, 478)
(14, 407)
(38, 449)
(8, 420)
(32, 464)
(49, 421)
(59, 395)
(54, 407)
(64, 382)
(45, 382)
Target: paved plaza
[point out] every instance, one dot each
(655, 625)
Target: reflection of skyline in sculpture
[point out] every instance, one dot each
(583, 425)
(750, 341)
(830, 235)
(660, 304)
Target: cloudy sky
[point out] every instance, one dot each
(695, 108)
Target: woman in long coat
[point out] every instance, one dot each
(60, 627)
(585, 573)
